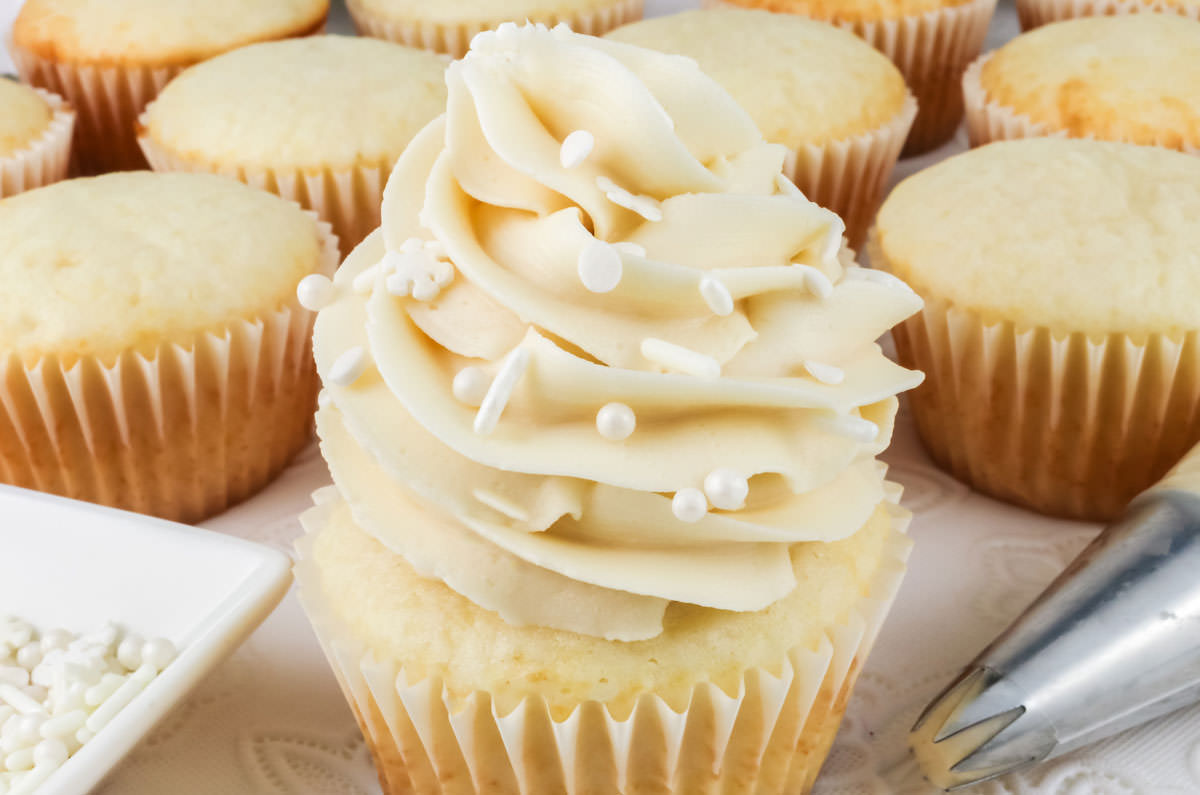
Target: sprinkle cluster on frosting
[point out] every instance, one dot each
(621, 360)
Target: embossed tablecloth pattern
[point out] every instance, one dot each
(271, 719)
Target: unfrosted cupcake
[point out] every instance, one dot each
(1035, 13)
(840, 106)
(319, 120)
(1126, 78)
(35, 137)
(1060, 335)
(109, 59)
(931, 41)
(602, 405)
(448, 25)
(154, 356)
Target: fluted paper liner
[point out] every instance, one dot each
(988, 120)
(455, 39)
(1035, 13)
(848, 176)
(44, 160)
(931, 50)
(349, 199)
(772, 737)
(181, 431)
(1061, 422)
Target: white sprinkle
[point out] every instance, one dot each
(575, 148)
(365, 281)
(825, 373)
(29, 655)
(349, 367)
(424, 288)
(98, 694)
(470, 386)
(435, 248)
(817, 282)
(631, 248)
(501, 504)
(689, 505)
(786, 186)
(399, 284)
(55, 639)
(50, 752)
(133, 685)
(14, 675)
(680, 359)
(129, 652)
(158, 652)
(716, 295)
(726, 489)
(644, 206)
(19, 760)
(498, 394)
(616, 421)
(443, 272)
(855, 428)
(315, 292)
(18, 700)
(600, 266)
(64, 725)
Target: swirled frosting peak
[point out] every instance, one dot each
(602, 356)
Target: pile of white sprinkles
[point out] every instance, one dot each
(59, 689)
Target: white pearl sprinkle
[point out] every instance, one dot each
(680, 359)
(616, 421)
(575, 148)
(498, 394)
(716, 295)
(315, 292)
(825, 373)
(600, 266)
(726, 489)
(470, 386)
(817, 282)
(855, 428)
(349, 367)
(689, 505)
(630, 248)
(158, 652)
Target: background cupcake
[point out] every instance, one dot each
(319, 120)
(109, 59)
(1112, 78)
(1059, 335)
(35, 137)
(1034, 13)
(448, 25)
(602, 402)
(154, 356)
(931, 41)
(840, 107)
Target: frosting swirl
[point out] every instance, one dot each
(617, 360)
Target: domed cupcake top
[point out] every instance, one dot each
(24, 116)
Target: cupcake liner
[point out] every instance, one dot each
(181, 430)
(46, 159)
(770, 738)
(456, 38)
(849, 176)
(1061, 422)
(988, 120)
(931, 50)
(349, 199)
(1035, 13)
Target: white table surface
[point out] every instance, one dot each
(271, 719)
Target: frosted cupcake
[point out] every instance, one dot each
(448, 25)
(837, 104)
(1112, 78)
(931, 41)
(319, 120)
(602, 422)
(1059, 334)
(109, 59)
(153, 354)
(1035, 13)
(35, 137)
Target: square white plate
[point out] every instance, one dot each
(71, 564)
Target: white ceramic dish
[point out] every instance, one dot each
(70, 564)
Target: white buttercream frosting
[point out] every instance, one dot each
(523, 436)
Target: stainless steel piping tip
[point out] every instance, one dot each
(1112, 643)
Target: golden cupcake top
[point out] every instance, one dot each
(635, 361)
(850, 10)
(802, 81)
(157, 31)
(1132, 78)
(1072, 234)
(129, 260)
(24, 116)
(486, 12)
(308, 103)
